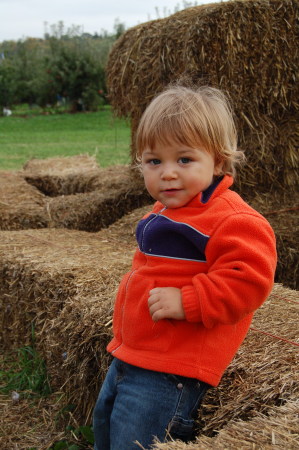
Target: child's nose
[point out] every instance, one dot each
(169, 172)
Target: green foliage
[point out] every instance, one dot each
(25, 373)
(29, 71)
(68, 65)
(65, 445)
(75, 74)
(7, 84)
(26, 60)
(86, 432)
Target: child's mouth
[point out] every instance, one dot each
(171, 191)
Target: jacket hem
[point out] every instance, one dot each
(166, 365)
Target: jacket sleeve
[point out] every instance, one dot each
(241, 256)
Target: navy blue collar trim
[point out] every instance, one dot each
(206, 195)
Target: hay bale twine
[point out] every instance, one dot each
(246, 48)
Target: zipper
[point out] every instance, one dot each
(148, 223)
(122, 309)
(113, 351)
(128, 280)
(130, 277)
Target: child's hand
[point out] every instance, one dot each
(166, 303)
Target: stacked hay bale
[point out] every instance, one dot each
(248, 49)
(83, 195)
(64, 281)
(78, 174)
(282, 211)
(21, 205)
(95, 198)
(75, 193)
(70, 193)
(62, 176)
(256, 404)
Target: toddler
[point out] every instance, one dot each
(205, 262)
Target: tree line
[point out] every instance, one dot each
(66, 67)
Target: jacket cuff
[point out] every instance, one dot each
(191, 304)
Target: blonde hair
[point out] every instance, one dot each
(197, 117)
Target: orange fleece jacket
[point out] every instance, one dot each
(222, 255)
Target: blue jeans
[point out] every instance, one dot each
(135, 404)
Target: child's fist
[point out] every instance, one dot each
(166, 303)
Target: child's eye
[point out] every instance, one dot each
(184, 160)
(154, 161)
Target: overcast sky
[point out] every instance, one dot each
(26, 18)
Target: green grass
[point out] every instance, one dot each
(44, 136)
(25, 373)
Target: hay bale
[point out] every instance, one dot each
(21, 205)
(78, 174)
(283, 214)
(47, 266)
(29, 424)
(65, 281)
(92, 199)
(277, 429)
(61, 175)
(56, 193)
(247, 48)
(56, 285)
(264, 373)
(91, 211)
(256, 403)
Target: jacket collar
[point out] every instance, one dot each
(220, 185)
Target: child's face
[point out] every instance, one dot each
(174, 174)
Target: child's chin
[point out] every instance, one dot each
(174, 205)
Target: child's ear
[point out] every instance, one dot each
(218, 169)
(138, 164)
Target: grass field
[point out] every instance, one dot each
(44, 136)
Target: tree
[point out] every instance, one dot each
(66, 63)
(74, 73)
(7, 83)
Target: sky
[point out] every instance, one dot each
(20, 19)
